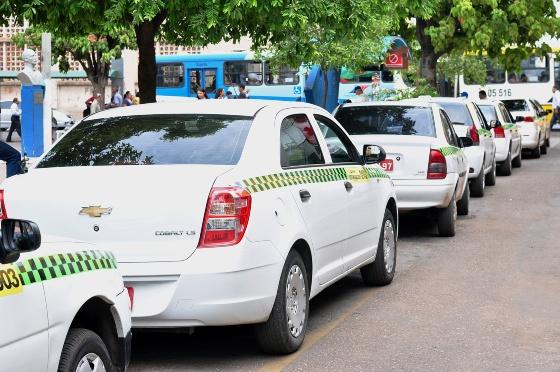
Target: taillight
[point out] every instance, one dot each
(529, 119)
(130, 296)
(226, 218)
(499, 132)
(3, 213)
(437, 165)
(473, 132)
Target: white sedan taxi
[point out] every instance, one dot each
(64, 306)
(506, 135)
(468, 121)
(532, 123)
(424, 155)
(220, 212)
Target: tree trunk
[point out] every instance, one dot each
(146, 33)
(429, 57)
(325, 72)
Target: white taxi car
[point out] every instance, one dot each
(533, 126)
(220, 212)
(469, 121)
(506, 135)
(424, 154)
(64, 307)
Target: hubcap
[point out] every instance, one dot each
(90, 363)
(296, 300)
(389, 246)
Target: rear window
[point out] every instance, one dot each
(399, 120)
(457, 112)
(516, 104)
(151, 140)
(489, 112)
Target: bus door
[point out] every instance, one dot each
(202, 78)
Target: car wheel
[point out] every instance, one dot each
(548, 142)
(477, 185)
(284, 331)
(491, 177)
(505, 167)
(382, 270)
(463, 204)
(446, 219)
(544, 149)
(84, 351)
(536, 152)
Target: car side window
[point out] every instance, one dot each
(298, 142)
(339, 146)
(481, 118)
(505, 114)
(448, 129)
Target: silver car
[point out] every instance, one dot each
(60, 120)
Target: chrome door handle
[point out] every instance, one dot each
(348, 185)
(304, 195)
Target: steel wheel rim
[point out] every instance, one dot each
(91, 363)
(389, 246)
(296, 300)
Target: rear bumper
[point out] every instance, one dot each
(529, 137)
(215, 286)
(475, 154)
(422, 194)
(502, 149)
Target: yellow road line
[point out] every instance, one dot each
(312, 338)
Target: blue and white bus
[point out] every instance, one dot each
(182, 75)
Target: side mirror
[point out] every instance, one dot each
(495, 124)
(519, 118)
(18, 236)
(373, 154)
(466, 141)
(548, 112)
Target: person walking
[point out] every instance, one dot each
(117, 98)
(242, 92)
(12, 157)
(555, 105)
(482, 95)
(95, 104)
(16, 122)
(127, 99)
(201, 94)
(220, 94)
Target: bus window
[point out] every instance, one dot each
(243, 72)
(170, 75)
(494, 75)
(533, 70)
(364, 75)
(284, 76)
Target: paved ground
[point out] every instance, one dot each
(488, 299)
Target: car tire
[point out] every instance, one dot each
(547, 142)
(516, 163)
(276, 335)
(382, 271)
(83, 346)
(544, 149)
(463, 204)
(491, 177)
(446, 219)
(477, 185)
(505, 167)
(536, 152)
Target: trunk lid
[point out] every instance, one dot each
(409, 154)
(156, 212)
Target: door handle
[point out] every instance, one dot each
(348, 185)
(304, 195)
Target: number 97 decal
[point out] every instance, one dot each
(9, 281)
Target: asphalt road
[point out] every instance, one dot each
(487, 299)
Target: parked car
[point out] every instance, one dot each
(506, 135)
(220, 213)
(60, 120)
(533, 127)
(64, 307)
(468, 121)
(424, 155)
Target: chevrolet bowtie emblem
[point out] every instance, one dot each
(95, 211)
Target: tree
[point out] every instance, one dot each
(79, 29)
(505, 30)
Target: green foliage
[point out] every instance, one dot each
(472, 67)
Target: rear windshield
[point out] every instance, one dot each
(150, 140)
(516, 104)
(457, 112)
(400, 120)
(489, 112)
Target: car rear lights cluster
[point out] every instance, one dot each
(499, 132)
(226, 217)
(529, 119)
(437, 165)
(473, 132)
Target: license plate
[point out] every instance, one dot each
(387, 165)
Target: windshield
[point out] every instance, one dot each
(516, 104)
(400, 120)
(150, 140)
(457, 112)
(489, 112)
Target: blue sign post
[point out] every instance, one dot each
(32, 97)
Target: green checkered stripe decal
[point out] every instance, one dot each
(449, 150)
(278, 180)
(484, 132)
(40, 269)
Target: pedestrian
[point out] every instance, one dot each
(201, 94)
(127, 99)
(136, 99)
(12, 157)
(359, 94)
(220, 94)
(16, 122)
(116, 98)
(243, 94)
(229, 95)
(555, 105)
(482, 94)
(95, 104)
